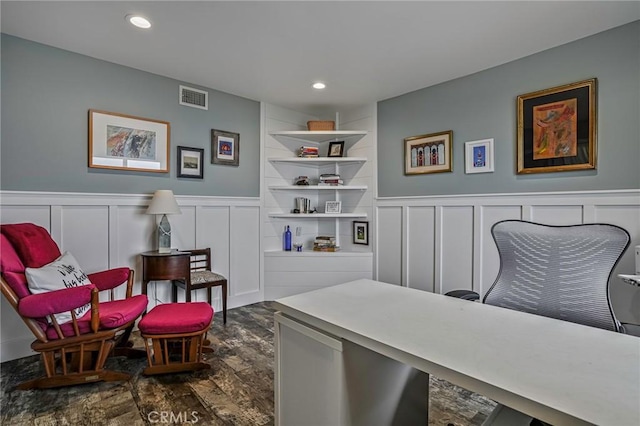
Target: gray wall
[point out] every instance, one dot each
(483, 105)
(46, 95)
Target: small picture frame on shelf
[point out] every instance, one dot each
(333, 207)
(336, 149)
(361, 232)
(190, 162)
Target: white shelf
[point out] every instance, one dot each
(311, 253)
(319, 161)
(321, 136)
(318, 187)
(316, 215)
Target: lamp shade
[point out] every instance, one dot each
(163, 202)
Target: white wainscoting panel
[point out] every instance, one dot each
(111, 230)
(454, 235)
(421, 259)
(390, 254)
(442, 243)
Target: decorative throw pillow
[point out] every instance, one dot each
(64, 272)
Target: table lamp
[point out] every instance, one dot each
(164, 203)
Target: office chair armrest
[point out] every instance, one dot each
(463, 294)
(54, 302)
(630, 329)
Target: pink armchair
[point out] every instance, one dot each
(73, 352)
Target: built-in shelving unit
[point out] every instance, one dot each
(290, 272)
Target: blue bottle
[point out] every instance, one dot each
(287, 239)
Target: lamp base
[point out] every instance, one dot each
(164, 235)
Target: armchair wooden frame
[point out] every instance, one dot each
(80, 358)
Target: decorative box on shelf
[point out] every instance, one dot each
(321, 125)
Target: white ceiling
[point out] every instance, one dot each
(273, 51)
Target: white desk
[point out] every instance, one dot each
(559, 372)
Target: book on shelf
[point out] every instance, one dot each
(308, 152)
(325, 243)
(331, 179)
(327, 249)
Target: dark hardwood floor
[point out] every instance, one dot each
(238, 390)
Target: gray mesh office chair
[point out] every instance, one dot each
(560, 272)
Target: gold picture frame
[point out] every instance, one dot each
(430, 153)
(557, 129)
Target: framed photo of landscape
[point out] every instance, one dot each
(557, 129)
(428, 153)
(190, 162)
(225, 147)
(124, 142)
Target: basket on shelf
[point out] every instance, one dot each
(321, 125)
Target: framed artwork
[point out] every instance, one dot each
(428, 153)
(361, 232)
(336, 149)
(333, 207)
(124, 142)
(478, 156)
(225, 147)
(190, 162)
(557, 129)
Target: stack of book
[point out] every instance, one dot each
(330, 179)
(308, 152)
(325, 243)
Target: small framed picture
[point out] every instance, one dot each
(361, 232)
(428, 153)
(336, 149)
(479, 156)
(333, 207)
(190, 162)
(225, 148)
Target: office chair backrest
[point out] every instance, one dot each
(560, 272)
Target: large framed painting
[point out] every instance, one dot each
(557, 129)
(124, 142)
(428, 153)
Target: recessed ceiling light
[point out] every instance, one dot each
(139, 21)
(319, 85)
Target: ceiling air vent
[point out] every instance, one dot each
(194, 98)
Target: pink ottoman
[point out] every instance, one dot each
(173, 335)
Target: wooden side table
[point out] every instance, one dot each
(165, 266)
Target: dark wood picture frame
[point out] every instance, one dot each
(225, 148)
(190, 162)
(336, 149)
(557, 129)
